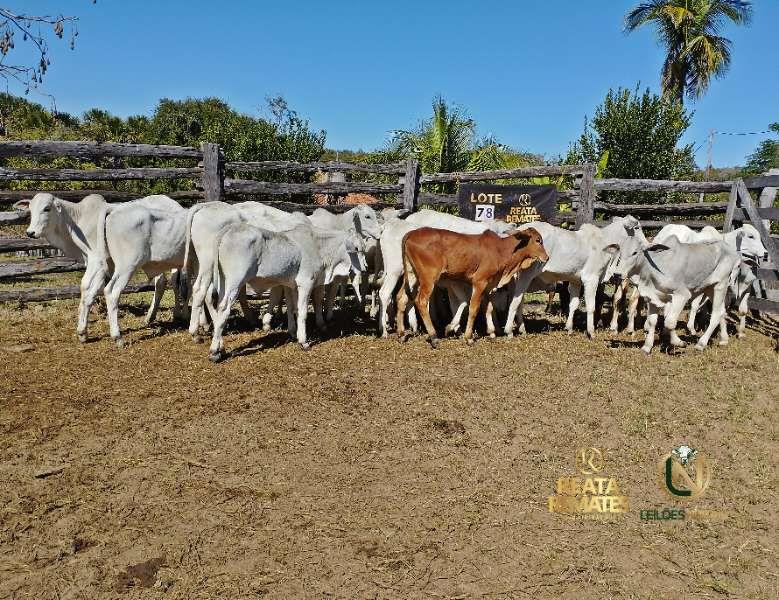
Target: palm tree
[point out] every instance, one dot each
(689, 32)
(446, 143)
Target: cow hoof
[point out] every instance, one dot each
(433, 343)
(740, 336)
(700, 347)
(305, 346)
(646, 350)
(470, 341)
(197, 338)
(215, 357)
(120, 343)
(82, 337)
(493, 336)
(723, 342)
(404, 337)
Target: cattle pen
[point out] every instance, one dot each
(211, 174)
(366, 468)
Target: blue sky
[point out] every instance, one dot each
(526, 71)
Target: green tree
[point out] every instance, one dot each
(447, 142)
(765, 156)
(641, 133)
(688, 31)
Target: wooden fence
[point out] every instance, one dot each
(216, 179)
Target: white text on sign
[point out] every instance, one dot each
(483, 198)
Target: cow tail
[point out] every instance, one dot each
(187, 267)
(216, 274)
(102, 245)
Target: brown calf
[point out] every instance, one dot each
(486, 261)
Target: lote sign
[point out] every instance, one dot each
(510, 203)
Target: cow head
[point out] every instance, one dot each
(366, 221)
(355, 249)
(748, 242)
(628, 256)
(530, 242)
(40, 207)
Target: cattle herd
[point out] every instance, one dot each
(305, 260)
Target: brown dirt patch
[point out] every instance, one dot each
(370, 469)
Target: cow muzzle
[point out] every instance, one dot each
(31, 234)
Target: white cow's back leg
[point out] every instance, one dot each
(199, 291)
(291, 300)
(743, 310)
(575, 289)
(159, 290)
(717, 312)
(112, 291)
(274, 302)
(91, 284)
(222, 313)
(301, 296)
(318, 296)
(385, 298)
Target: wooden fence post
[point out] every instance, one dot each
(411, 185)
(213, 172)
(730, 211)
(585, 213)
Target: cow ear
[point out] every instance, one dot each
(657, 248)
(58, 204)
(612, 248)
(357, 222)
(22, 205)
(523, 239)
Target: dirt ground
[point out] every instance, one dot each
(370, 469)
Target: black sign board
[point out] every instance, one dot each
(510, 203)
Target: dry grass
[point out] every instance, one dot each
(369, 469)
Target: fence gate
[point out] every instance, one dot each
(741, 207)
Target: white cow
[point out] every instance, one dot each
(146, 234)
(72, 227)
(669, 274)
(204, 221)
(300, 259)
(746, 240)
(577, 257)
(391, 241)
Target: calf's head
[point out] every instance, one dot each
(748, 242)
(366, 221)
(628, 256)
(41, 206)
(531, 246)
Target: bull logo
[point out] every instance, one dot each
(685, 473)
(589, 461)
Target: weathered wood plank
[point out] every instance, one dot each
(213, 172)
(245, 186)
(768, 214)
(518, 173)
(765, 306)
(23, 268)
(286, 165)
(584, 211)
(691, 209)
(730, 211)
(411, 185)
(661, 185)
(14, 217)
(110, 195)
(761, 181)
(754, 217)
(61, 293)
(100, 174)
(84, 149)
(12, 244)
